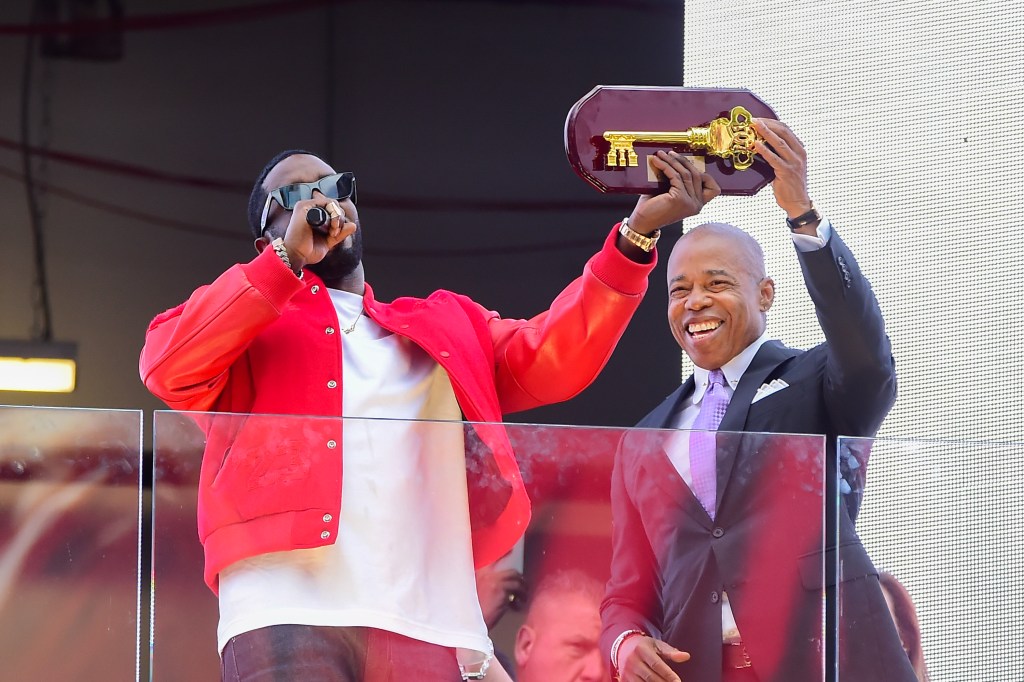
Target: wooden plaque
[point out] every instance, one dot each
(637, 108)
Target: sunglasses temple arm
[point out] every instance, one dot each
(266, 211)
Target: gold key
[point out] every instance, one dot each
(730, 138)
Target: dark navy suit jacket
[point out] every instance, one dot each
(671, 562)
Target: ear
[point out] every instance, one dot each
(766, 291)
(524, 644)
(261, 243)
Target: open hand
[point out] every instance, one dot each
(643, 659)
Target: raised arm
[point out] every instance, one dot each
(860, 372)
(555, 355)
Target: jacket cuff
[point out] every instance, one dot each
(619, 272)
(269, 276)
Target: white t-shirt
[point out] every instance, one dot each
(403, 561)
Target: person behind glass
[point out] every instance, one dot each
(307, 587)
(706, 583)
(904, 614)
(499, 589)
(558, 641)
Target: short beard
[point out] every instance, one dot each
(340, 262)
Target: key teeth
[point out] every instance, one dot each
(621, 155)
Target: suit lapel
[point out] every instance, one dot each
(655, 462)
(768, 357)
(657, 468)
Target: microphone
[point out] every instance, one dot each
(316, 217)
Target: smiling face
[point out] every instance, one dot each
(717, 293)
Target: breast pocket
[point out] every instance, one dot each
(798, 408)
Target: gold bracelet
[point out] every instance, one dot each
(282, 253)
(643, 241)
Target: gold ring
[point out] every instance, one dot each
(333, 209)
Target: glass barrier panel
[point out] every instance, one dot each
(183, 620)
(942, 522)
(561, 521)
(70, 492)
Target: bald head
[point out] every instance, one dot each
(559, 640)
(557, 586)
(746, 247)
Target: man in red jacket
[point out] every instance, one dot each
(380, 587)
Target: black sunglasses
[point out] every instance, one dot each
(339, 186)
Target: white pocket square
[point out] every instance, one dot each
(766, 390)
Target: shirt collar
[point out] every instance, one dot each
(733, 370)
(348, 304)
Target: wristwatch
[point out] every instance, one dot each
(804, 219)
(645, 242)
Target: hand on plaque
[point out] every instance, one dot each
(689, 189)
(785, 153)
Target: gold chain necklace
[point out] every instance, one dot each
(352, 327)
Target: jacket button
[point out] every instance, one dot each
(444, 354)
(327, 518)
(714, 597)
(717, 532)
(326, 534)
(329, 330)
(315, 288)
(332, 384)
(331, 444)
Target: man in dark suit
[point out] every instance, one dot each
(718, 567)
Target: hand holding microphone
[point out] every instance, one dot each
(312, 231)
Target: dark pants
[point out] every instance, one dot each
(306, 653)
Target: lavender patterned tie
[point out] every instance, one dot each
(702, 441)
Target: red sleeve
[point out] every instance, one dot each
(190, 349)
(558, 353)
